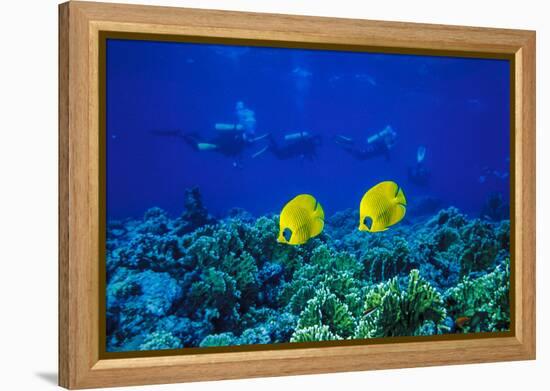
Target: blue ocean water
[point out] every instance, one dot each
(195, 131)
(457, 108)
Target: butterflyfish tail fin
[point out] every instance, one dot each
(317, 226)
(397, 214)
(400, 197)
(318, 211)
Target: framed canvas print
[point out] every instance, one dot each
(248, 195)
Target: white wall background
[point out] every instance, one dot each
(28, 194)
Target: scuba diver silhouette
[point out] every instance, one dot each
(231, 139)
(379, 144)
(299, 144)
(419, 174)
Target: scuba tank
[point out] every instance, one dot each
(228, 128)
(383, 133)
(296, 136)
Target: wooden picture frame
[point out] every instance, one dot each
(81, 364)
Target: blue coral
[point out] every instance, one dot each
(160, 341)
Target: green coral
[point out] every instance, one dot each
(325, 309)
(337, 271)
(488, 294)
(331, 261)
(297, 302)
(314, 334)
(391, 311)
(253, 336)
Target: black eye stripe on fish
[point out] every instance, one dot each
(368, 221)
(287, 234)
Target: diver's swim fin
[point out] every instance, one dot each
(192, 140)
(343, 140)
(206, 147)
(259, 138)
(260, 152)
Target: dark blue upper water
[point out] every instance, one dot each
(458, 108)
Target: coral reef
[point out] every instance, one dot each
(195, 281)
(159, 340)
(393, 311)
(487, 296)
(314, 334)
(325, 309)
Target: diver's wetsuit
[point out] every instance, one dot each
(230, 144)
(379, 144)
(370, 151)
(304, 146)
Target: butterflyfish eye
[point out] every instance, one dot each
(368, 222)
(287, 234)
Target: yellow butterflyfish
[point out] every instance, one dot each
(381, 207)
(301, 219)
